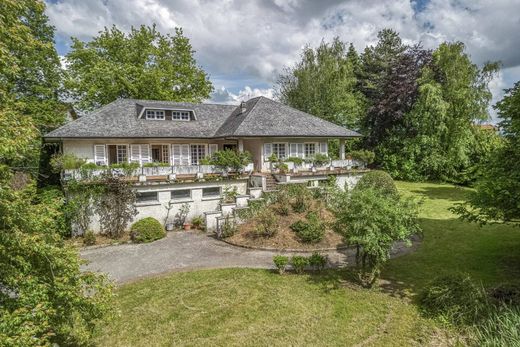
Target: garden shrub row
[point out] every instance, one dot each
(316, 261)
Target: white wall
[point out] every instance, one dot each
(198, 204)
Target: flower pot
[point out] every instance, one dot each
(170, 227)
(187, 226)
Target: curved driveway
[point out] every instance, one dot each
(182, 251)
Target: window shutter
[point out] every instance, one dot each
(100, 155)
(323, 148)
(294, 150)
(301, 153)
(145, 154)
(185, 155)
(268, 150)
(176, 154)
(135, 153)
(213, 147)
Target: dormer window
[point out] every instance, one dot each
(180, 115)
(155, 114)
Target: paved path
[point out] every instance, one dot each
(185, 251)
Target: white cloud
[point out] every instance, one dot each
(224, 96)
(243, 43)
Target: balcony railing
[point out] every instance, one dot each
(143, 173)
(333, 164)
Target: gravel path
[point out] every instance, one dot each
(184, 251)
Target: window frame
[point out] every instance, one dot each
(200, 145)
(316, 146)
(278, 144)
(155, 114)
(181, 113)
(185, 198)
(126, 146)
(151, 201)
(213, 196)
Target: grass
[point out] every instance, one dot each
(256, 307)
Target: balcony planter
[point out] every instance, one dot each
(187, 226)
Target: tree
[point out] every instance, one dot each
(497, 192)
(373, 222)
(30, 70)
(44, 297)
(143, 64)
(323, 83)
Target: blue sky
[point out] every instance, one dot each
(244, 45)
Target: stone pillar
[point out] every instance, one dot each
(240, 145)
(342, 149)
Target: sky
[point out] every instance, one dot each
(244, 45)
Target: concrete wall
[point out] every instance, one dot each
(198, 204)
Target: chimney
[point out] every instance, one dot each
(243, 107)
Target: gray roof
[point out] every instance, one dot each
(263, 117)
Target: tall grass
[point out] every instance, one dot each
(501, 328)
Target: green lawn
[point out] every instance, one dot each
(260, 308)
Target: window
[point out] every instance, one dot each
(146, 197)
(279, 150)
(121, 154)
(197, 152)
(210, 192)
(155, 114)
(310, 150)
(296, 150)
(181, 194)
(180, 115)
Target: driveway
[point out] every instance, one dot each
(183, 251)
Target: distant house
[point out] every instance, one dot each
(169, 141)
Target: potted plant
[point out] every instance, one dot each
(187, 226)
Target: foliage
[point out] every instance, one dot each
(283, 203)
(320, 159)
(501, 328)
(310, 231)
(147, 230)
(296, 160)
(156, 164)
(143, 64)
(318, 261)
(299, 263)
(505, 294)
(229, 194)
(89, 238)
(455, 299)
(281, 167)
(267, 223)
(182, 214)
(300, 196)
(363, 155)
(115, 205)
(228, 228)
(373, 222)
(272, 158)
(128, 169)
(231, 160)
(68, 161)
(18, 137)
(198, 222)
(281, 262)
(497, 192)
(323, 83)
(378, 180)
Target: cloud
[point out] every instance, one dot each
(247, 43)
(224, 96)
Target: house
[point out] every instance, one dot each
(178, 136)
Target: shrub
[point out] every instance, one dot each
(89, 238)
(147, 230)
(501, 328)
(60, 162)
(301, 197)
(180, 217)
(317, 261)
(228, 228)
(363, 155)
(280, 262)
(310, 231)
(229, 194)
(320, 159)
(455, 299)
(267, 223)
(230, 160)
(283, 202)
(198, 222)
(379, 181)
(296, 160)
(282, 167)
(299, 263)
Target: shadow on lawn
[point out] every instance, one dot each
(443, 193)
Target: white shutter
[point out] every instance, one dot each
(268, 150)
(185, 155)
(293, 150)
(145, 154)
(176, 154)
(213, 147)
(323, 148)
(135, 153)
(301, 152)
(100, 155)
